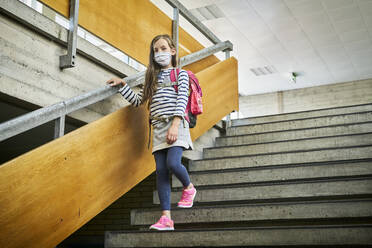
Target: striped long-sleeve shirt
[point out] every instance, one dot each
(166, 102)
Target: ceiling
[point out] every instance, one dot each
(322, 41)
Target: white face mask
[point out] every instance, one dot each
(163, 58)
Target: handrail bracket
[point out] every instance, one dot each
(68, 60)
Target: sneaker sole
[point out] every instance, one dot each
(162, 229)
(184, 206)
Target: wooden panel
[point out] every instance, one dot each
(129, 26)
(220, 94)
(50, 192)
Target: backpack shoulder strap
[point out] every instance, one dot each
(173, 77)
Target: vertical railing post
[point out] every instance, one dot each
(59, 127)
(175, 31)
(228, 117)
(68, 60)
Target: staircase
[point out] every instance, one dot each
(294, 179)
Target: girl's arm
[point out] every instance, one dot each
(132, 97)
(172, 133)
(183, 92)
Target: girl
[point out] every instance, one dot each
(171, 131)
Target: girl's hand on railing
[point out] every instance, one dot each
(116, 81)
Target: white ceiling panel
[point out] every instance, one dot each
(294, 2)
(365, 72)
(278, 56)
(305, 8)
(337, 61)
(246, 22)
(271, 51)
(252, 62)
(336, 4)
(264, 41)
(297, 46)
(192, 4)
(362, 56)
(317, 19)
(258, 33)
(220, 25)
(273, 4)
(353, 36)
(246, 50)
(368, 20)
(344, 13)
(309, 54)
(282, 24)
(318, 23)
(235, 7)
(341, 65)
(335, 58)
(365, 6)
(313, 63)
(325, 41)
(331, 50)
(360, 45)
(268, 12)
(349, 24)
(321, 29)
(345, 75)
(364, 61)
(291, 35)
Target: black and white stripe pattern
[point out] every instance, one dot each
(165, 102)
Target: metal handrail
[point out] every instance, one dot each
(194, 21)
(38, 117)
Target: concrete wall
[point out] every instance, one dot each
(333, 95)
(29, 64)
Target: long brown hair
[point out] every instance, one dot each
(154, 68)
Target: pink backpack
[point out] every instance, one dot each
(194, 105)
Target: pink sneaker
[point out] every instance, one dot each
(187, 198)
(163, 224)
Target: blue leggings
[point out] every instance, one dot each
(169, 160)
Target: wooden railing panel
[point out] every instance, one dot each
(50, 192)
(220, 87)
(130, 26)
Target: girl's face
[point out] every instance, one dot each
(162, 46)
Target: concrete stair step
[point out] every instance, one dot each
(278, 173)
(245, 237)
(301, 123)
(290, 145)
(284, 158)
(295, 134)
(318, 188)
(303, 114)
(356, 208)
